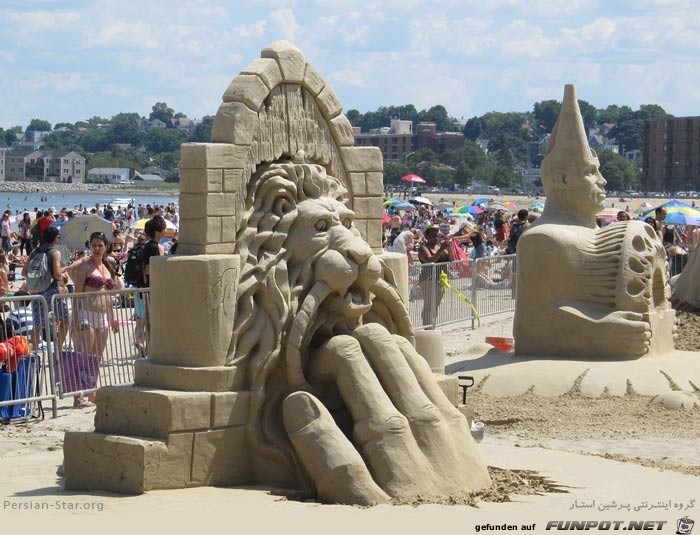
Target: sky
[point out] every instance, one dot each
(69, 60)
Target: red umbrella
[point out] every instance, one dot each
(386, 218)
(413, 178)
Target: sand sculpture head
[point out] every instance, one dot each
(570, 169)
(585, 291)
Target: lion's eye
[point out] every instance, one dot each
(322, 225)
(347, 222)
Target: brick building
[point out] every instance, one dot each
(671, 155)
(399, 140)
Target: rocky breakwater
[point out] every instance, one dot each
(46, 187)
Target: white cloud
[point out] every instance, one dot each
(7, 56)
(124, 33)
(523, 39)
(42, 20)
(250, 31)
(284, 24)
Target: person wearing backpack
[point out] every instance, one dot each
(43, 272)
(516, 231)
(155, 229)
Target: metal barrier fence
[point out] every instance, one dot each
(486, 283)
(83, 341)
(98, 335)
(26, 371)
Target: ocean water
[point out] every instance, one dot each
(20, 202)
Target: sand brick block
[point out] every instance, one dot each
(362, 159)
(357, 182)
(449, 384)
(342, 131)
(375, 184)
(374, 233)
(211, 155)
(368, 207)
(228, 229)
(230, 408)
(220, 457)
(329, 104)
(201, 180)
(313, 81)
(186, 378)
(195, 249)
(194, 206)
(234, 123)
(203, 230)
(128, 410)
(361, 225)
(248, 89)
(267, 69)
(233, 181)
(290, 59)
(131, 465)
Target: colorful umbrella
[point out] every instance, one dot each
(479, 202)
(386, 218)
(404, 206)
(170, 228)
(673, 207)
(645, 205)
(494, 206)
(411, 177)
(511, 205)
(391, 202)
(678, 218)
(473, 210)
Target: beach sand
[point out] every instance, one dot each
(615, 458)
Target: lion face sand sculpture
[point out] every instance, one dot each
(315, 324)
(293, 362)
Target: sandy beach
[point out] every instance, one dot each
(592, 452)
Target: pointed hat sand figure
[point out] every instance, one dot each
(569, 158)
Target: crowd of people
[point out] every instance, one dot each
(35, 236)
(435, 236)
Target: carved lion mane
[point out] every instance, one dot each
(280, 292)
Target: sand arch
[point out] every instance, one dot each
(277, 106)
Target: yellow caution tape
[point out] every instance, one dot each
(445, 283)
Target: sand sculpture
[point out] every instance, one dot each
(585, 291)
(289, 359)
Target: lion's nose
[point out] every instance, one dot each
(359, 251)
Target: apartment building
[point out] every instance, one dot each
(3, 151)
(26, 164)
(671, 155)
(399, 140)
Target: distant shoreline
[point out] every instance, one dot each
(98, 189)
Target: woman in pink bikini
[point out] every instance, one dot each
(94, 316)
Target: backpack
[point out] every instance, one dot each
(515, 232)
(133, 272)
(39, 272)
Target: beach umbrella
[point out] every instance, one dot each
(170, 228)
(473, 210)
(413, 178)
(386, 218)
(391, 202)
(645, 205)
(421, 200)
(493, 206)
(404, 206)
(448, 209)
(75, 233)
(511, 205)
(673, 207)
(678, 218)
(480, 201)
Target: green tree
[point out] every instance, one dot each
(39, 125)
(164, 140)
(69, 126)
(394, 171)
(589, 114)
(125, 129)
(545, 114)
(202, 132)
(621, 174)
(162, 112)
